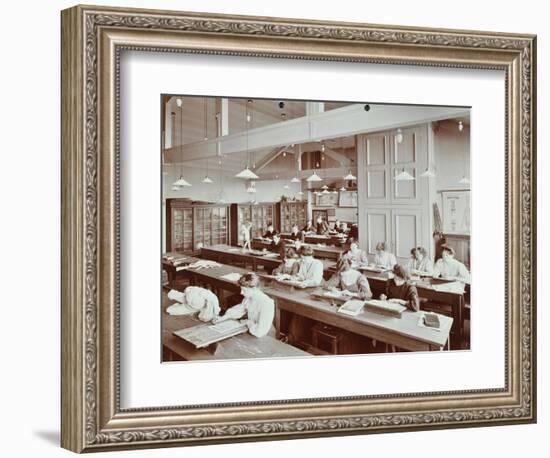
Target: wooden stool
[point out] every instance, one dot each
(325, 339)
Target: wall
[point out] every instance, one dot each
(30, 174)
(452, 159)
(452, 156)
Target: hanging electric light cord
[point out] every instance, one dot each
(180, 182)
(246, 173)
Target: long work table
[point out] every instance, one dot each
(319, 250)
(404, 332)
(331, 239)
(227, 254)
(237, 347)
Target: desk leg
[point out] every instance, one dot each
(277, 322)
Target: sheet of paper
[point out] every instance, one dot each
(452, 287)
(226, 326)
(231, 277)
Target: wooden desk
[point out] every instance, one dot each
(402, 332)
(324, 239)
(319, 251)
(378, 281)
(243, 346)
(226, 254)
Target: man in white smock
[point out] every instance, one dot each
(257, 308)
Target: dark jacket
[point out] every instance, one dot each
(406, 292)
(269, 234)
(322, 228)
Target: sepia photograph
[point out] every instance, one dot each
(297, 228)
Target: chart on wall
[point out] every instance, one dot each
(456, 212)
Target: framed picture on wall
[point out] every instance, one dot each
(456, 212)
(158, 151)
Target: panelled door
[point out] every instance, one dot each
(395, 211)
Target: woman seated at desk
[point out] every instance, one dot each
(321, 226)
(309, 228)
(296, 234)
(276, 245)
(400, 289)
(348, 279)
(449, 268)
(420, 263)
(355, 254)
(383, 258)
(257, 307)
(310, 271)
(270, 232)
(290, 264)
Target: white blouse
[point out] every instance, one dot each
(424, 265)
(260, 311)
(385, 259)
(451, 268)
(310, 272)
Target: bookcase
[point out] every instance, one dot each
(289, 213)
(259, 215)
(188, 225)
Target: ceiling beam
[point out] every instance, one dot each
(268, 158)
(349, 120)
(338, 157)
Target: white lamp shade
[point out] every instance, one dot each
(247, 174)
(207, 179)
(182, 182)
(325, 191)
(350, 176)
(464, 180)
(324, 186)
(343, 188)
(301, 193)
(295, 180)
(404, 176)
(314, 177)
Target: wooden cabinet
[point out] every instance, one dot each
(259, 215)
(189, 225)
(289, 213)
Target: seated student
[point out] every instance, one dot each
(355, 254)
(257, 307)
(276, 245)
(337, 226)
(420, 263)
(344, 228)
(310, 271)
(270, 232)
(309, 228)
(321, 226)
(290, 264)
(348, 279)
(400, 289)
(295, 233)
(194, 299)
(383, 258)
(449, 268)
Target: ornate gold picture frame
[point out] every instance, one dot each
(92, 41)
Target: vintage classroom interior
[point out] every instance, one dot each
(362, 173)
